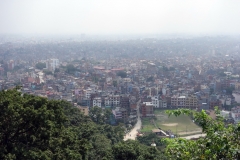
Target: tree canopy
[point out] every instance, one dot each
(122, 74)
(40, 65)
(70, 68)
(33, 127)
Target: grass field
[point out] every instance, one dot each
(180, 125)
(147, 125)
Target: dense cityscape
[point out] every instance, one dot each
(119, 80)
(195, 73)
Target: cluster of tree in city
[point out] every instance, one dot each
(122, 74)
(34, 127)
(40, 65)
(70, 68)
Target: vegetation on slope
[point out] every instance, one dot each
(37, 128)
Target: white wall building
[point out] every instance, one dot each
(97, 101)
(155, 101)
(52, 64)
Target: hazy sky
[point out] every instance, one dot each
(120, 16)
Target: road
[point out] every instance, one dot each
(133, 133)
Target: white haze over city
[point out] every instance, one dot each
(119, 17)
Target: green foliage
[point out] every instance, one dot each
(115, 83)
(135, 151)
(29, 125)
(150, 79)
(37, 128)
(122, 74)
(165, 68)
(221, 74)
(57, 70)
(149, 139)
(229, 90)
(100, 116)
(40, 65)
(220, 142)
(71, 69)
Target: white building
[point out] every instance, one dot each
(97, 101)
(155, 101)
(52, 64)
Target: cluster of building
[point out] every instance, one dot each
(175, 80)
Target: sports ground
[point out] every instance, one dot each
(181, 125)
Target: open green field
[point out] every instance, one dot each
(147, 125)
(181, 125)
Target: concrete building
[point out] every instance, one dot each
(155, 101)
(88, 93)
(147, 109)
(184, 102)
(112, 100)
(52, 64)
(97, 101)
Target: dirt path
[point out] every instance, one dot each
(194, 136)
(133, 133)
(190, 132)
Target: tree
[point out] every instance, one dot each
(221, 74)
(114, 83)
(135, 151)
(229, 90)
(40, 65)
(99, 116)
(150, 79)
(70, 69)
(122, 74)
(56, 70)
(37, 128)
(149, 139)
(221, 140)
(29, 125)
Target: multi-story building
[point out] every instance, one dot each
(178, 102)
(117, 113)
(155, 101)
(184, 102)
(124, 102)
(11, 65)
(120, 113)
(52, 64)
(164, 103)
(88, 93)
(112, 100)
(191, 102)
(97, 101)
(147, 109)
